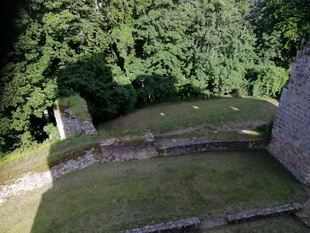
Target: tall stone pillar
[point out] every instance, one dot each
(290, 142)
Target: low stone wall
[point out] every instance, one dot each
(169, 147)
(191, 224)
(143, 147)
(33, 180)
(247, 215)
(181, 226)
(125, 149)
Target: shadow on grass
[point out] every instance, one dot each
(92, 78)
(110, 197)
(115, 196)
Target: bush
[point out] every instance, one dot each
(266, 81)
(27, 140)
(52, 131)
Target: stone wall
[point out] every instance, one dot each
(144, 147)
(196, 224)
(69, 123)
(290, 142)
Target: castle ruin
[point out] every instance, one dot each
(290, 142)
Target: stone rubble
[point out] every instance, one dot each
(34, 180)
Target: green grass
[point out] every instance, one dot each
(219, 113)
(45, 156)
(78, 105)
(215, 114)
(117, 196)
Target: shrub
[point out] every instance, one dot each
(266, 81)
(27, 140)
(52, 131)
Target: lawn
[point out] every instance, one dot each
(215, 114)
(116, 196)
(187, 117)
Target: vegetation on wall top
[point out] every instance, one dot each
(78, 105)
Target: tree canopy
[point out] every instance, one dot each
(120, 55)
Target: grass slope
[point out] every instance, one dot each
(114, 197)
(219, 113)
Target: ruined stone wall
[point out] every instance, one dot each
(69, 123)
(144, 147)
(290, 142)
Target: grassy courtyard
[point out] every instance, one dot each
(214, 114)
(188, 117)
(114, 197)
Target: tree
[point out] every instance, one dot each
(282, 28)
(51, 35)
(120, 55)
(221, 46)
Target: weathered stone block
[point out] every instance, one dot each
(68, 122)
(127, 148)
(247, 215)
(176, 226)
(168, 147)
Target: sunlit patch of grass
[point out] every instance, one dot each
(250, 132)
(234, 108)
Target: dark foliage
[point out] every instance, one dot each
(121, 55)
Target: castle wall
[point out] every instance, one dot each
(290, 142)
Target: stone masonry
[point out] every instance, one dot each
(69, 124)
(73, 117)
(290, 142)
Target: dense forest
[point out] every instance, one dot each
(120, 55)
